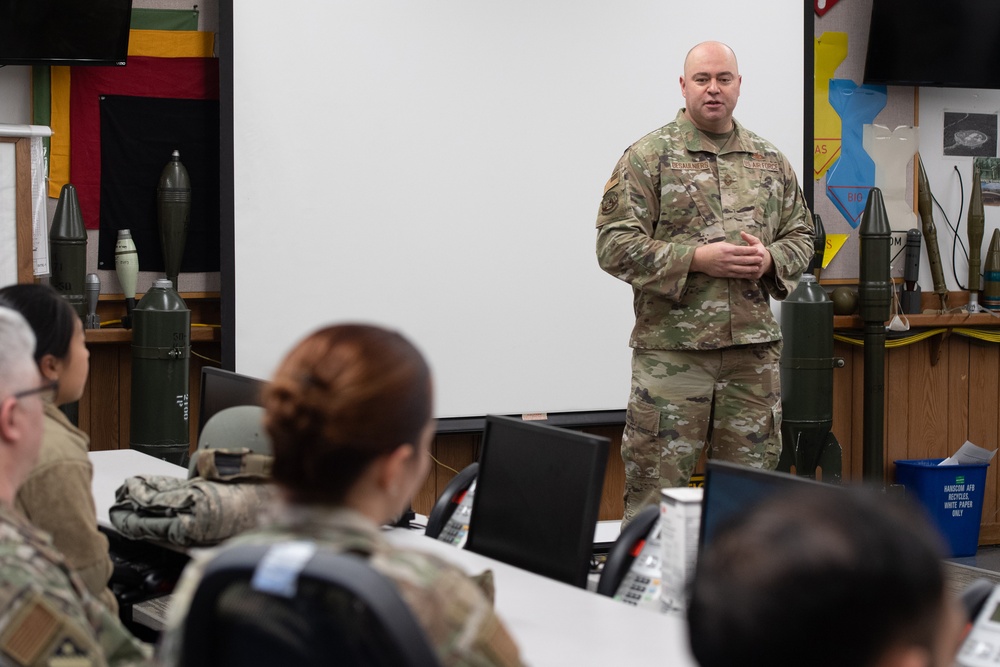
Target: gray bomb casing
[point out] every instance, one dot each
(161, 359)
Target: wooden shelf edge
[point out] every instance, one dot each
(199, 334)
(926, 321)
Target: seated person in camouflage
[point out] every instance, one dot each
(56, 496)
(47, 616)
(349, 414)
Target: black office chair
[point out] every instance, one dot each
(340, 609)
(974, 596)
(449, 500)
(625, 549)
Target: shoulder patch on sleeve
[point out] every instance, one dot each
(31, 632)
(609, 203)
(39, 633)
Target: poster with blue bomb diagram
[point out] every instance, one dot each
(853, 175)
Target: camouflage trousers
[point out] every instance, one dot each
(681, 400)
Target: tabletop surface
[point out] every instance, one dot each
(553, 623)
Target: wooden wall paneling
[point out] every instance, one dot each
(928, 401)
(84, 406)
(955, 352)
(990, 533)
(842, 402)
(456, 451)
(984, 422)
(612, 505)
(426, 496)
(124, 396)
(99, 412)
(453, 450)
(898, 405)
(858, 410)
(928, 385)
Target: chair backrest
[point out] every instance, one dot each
(233, 428)
(973, 597)
(294, 604)
(625, 549)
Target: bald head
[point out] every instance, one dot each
(711, 86)
(714, 48)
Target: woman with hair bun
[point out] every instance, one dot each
(350, 416)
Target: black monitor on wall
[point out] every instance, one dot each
(221, 389)
(953, 44)
(538, 493)
(64, 32)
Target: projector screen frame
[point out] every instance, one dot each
(228, 206)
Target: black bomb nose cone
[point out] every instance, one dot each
(875, 284)
(68, 243)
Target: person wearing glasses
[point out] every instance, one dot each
(57, 495)
(47, 615)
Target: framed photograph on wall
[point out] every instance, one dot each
(970, 134)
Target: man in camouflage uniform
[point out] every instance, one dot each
(705, 220)
(47, 617)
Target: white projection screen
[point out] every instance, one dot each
(435, 166)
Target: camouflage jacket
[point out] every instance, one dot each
(454, 612)
(47, 617)
(674, 190)
(56, 497)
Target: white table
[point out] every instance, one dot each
(553, 623)
(112, 466)
(558, 624)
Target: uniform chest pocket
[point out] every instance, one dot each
(764, 216)
(686, 206)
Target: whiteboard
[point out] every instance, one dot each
(436, 167)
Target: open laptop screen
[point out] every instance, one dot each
(731, 489)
